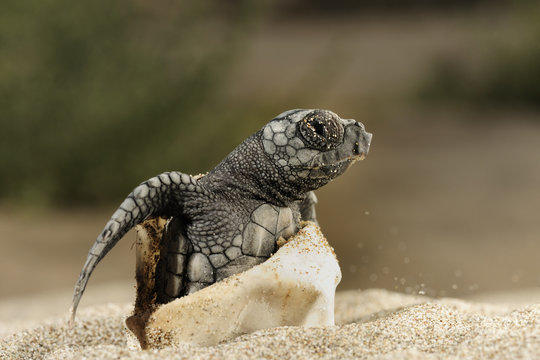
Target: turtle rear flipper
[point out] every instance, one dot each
(163, 195)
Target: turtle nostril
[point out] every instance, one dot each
(356, 148)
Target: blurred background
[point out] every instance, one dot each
(97, 96)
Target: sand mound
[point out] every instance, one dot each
(373, 324)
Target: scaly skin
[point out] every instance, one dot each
(230, 219)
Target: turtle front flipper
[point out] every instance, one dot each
(163, 195)
(307, 208)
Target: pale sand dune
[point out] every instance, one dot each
(372, 324)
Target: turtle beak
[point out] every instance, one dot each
(363, 140)
(362, 146)
(368, 137)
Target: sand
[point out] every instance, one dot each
(371, 324)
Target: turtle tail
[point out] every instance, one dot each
(158, 196)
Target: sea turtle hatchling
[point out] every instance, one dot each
(230, 219)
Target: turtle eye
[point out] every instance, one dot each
(318, 127)
(320, 131)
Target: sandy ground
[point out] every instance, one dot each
(371, 324)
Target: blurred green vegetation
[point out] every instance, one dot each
(98, 96)
(94, 94)
(509, 75)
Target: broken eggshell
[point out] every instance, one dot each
(294, 287)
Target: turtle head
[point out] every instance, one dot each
(312, 147)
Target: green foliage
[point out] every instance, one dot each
(98, 95)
